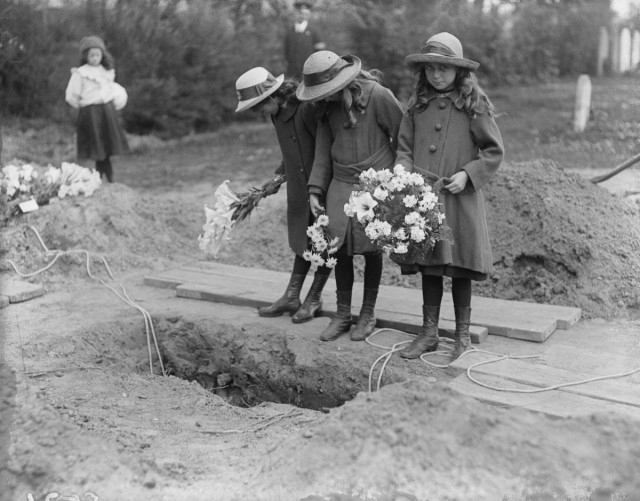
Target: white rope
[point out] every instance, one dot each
(499, 357)
(148, 323)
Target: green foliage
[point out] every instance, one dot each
(179, 65)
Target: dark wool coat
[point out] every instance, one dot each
(297, 48)
(341, 154)
(438, 142)
(295, 126)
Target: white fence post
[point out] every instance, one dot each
(583, 103)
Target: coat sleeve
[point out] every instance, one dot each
(406, 138)
(322, 170)
(487, 136)
(388, 113)
(74, 89)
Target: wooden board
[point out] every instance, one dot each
(17, 291)
(515, 319)
(536, 373)
(258, 294)
(554, 402)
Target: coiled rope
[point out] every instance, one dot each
(499, 356)
(148, 323)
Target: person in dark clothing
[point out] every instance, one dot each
(300, 40)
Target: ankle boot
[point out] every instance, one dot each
(366, 320)
(290, 300)
(312, 304)
(428, 339)
(341, 323)
(461, 336)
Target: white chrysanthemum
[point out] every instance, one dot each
(380, 193)
(417, 234)
(410, 200)
(323, 220)
(331, 262)
(401, 248)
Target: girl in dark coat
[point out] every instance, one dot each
(358, 132)
(295, 124)
(450, 136)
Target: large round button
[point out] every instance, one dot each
(443, 105)
(438, 126)
(433, 148)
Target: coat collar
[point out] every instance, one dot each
(454, 95)
(287, 112)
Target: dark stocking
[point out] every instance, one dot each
(432, 290)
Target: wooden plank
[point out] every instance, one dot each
(553, 402)
(20, 290)
(258, 294)
(535, 373)
(515, 319)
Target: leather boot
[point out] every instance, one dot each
(312, 304)
(428, 339)
(366, 320)
(290, 300)
(341, 323)
(461, 337)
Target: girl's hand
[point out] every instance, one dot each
(458, 182)
(316, 206)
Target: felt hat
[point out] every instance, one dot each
(441, 48)
(325, 73)
(302, 5)
(92, 42)
(254, 86)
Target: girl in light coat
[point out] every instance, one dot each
(92, 89)
(450, 136)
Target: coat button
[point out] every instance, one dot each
(433, 148)
(443, 105)
(294, 138)
(438, 126)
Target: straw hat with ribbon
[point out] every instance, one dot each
(325, 73)
(254, 86)
(441, 48)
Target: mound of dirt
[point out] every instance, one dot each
(470, 450)
(557, 238)
(116, 222)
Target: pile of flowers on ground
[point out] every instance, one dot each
(399, 212)
(21, 181)
(322, 246)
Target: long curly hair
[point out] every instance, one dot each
(475, 100)
(286, 93)
(352, 99)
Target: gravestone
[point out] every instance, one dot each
(583, 103)
(625, 50)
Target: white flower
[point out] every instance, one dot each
(218, 225)
(410, 200)
(401, 248)
(398, 169)
(363, 206)
(380, 193)
(413, 218)
(323, 220)
(400, 234)
(369, 175)
(417, 234)
(441, 217)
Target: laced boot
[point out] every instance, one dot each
(312, 304)
(428, 339)
(366, 320)
(462, 338)
(290, 300)
(341, 323)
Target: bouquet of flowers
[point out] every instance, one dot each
(230, 209)
(322, 246)
(20, 181)
(399, 212)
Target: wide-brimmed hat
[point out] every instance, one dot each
(324, 73)
(255, 85)
(302, 5)
(441, 48)
(92, 42)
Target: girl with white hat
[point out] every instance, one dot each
(449, 135)
(295, 123)
(357, 132)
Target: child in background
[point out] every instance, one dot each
(295, 124)
(449, 135)
(358, 132)
(93, 91)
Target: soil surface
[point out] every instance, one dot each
(86, 415)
